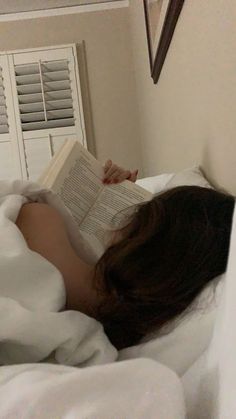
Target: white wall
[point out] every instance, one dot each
(189, 116)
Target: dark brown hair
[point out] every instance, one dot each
(174, 245)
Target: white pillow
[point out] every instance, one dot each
(155, 184)
(191, 176)
(190, 334)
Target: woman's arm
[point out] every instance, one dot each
(45, 233)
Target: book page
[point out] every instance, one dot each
(113, 206)
(47, 176)
(79, 182)
(98, 209)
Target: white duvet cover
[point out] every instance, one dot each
(34, 327)
(135, 389)
(131, 389)
(32, 295)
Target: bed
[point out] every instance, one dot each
(187, 373)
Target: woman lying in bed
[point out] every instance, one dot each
(155, 266)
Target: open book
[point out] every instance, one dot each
(76, 176)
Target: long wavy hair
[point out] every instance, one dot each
(173, 246)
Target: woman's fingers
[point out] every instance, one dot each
(133, 176)
(116, 174)
(111, 171)
(119, 176)
(107, 165)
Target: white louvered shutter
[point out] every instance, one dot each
(47, 102)
(4, 127)
(44, 95)
(10, 165)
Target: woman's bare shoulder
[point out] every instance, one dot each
(38, 210)
(39, 215)
(42, 224)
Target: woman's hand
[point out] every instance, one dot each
(116, 174)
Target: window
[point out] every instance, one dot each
(40, 107)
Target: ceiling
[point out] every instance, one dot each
(15, 6)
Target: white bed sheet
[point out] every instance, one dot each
(210, 384)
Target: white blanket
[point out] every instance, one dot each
(32, 294)
(136, 389)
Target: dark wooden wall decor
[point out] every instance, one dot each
(161, 18)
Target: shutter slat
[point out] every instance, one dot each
(30, 98)
(47, 66)
(55, 65)
(50, 105)
(59, 104)
(56, 85)
(56, 75)
(37, 97)
(3, 110)
(28, 79)
(39, 116)
(29, 88)
(60, 113)
(34, 116)
(2, 101)
(66, 122)
(3, 119)
(31, 107)
(48, 86)
(58, 94)
(24, 69)
(4, 129)
(48, 76)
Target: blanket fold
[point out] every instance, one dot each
(33, 325)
